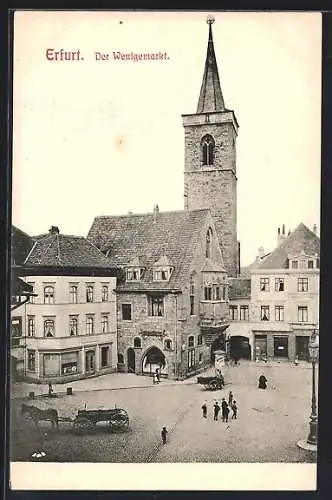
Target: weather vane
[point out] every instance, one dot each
(210, 19)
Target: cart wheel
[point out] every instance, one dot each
(84, 424)
(214, 385)
(119, 423)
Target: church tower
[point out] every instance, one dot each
(210, 159)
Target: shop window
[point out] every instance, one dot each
(69, 363)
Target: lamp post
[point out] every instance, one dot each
(311, 442)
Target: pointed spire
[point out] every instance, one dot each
(210, 98)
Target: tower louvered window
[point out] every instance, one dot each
(208, 150)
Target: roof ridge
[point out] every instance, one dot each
(151, 213)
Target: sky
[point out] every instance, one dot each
(95, 137)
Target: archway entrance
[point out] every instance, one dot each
(239, 347)
(218, 345)
(154, 358)
(131, 360)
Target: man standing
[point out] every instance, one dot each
(216, 410)
(204, 409)
(224, 407)
(234, 408)
(164, 434)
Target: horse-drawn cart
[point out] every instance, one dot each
(213, 383)
(85, 420)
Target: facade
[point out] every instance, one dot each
(210, 179)
(68, 329)
(283, 299)
(172, 301)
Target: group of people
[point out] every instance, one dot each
(226, 407)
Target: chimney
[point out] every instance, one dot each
(238, 258)
(54, 230)
(281, 235)
(261, 252)
(314, 229)
(155, 213)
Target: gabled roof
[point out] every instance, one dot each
(173, 234)
(60, 250)
(162, 262)
(210, 97)
(21, 244)
(302, 239)
(239, 288)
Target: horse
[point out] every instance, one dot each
(38, 414)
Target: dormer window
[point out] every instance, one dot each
(134, 273)
(162, 270)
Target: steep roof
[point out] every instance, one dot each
(60, 250)
(21, 244)
(239, 288)
(166, 234)
(210, 97)
(302, 239)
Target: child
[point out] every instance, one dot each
(164, 434)
(234, 408)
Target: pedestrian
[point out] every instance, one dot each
(296, 360)
(204, 409)
(50, 390)
(230, 398)
(262, 382)
(226, 412)
(234, 409)
(216, 410)
(164, 432)
(155, 379)
(157, 375)
(224, 405)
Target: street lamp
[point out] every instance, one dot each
(312, 440)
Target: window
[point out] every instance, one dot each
(295, 264)
(192, 296)
(137, 342)
(134, 273)
(89, 325)
(200, 357)
(224, 293)
(264, 284)
(49, 328)
(302, 264)
(120, 358)
(216, 290)
(208, 292)
(233, 312)
(89, 293)
(302, 284)
(244, 313)
(200, 340)
(104, 323)
(279, 313)
(49, 294)
(16, 327)
(73, 325)
(279, 284)
(31, 360)
(317, 263)
(104, 293)
(191, 358)
(31, 326)
(32, 298)
(310, 264)
(265, 313)
(126, 312)
(73, 294)
(156, 306)
(105, 356)
(208, 243)
(168, 345)
(191, 341)
(207, 150)
(302, 314)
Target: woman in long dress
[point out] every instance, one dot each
(262, 382)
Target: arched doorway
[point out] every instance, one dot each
(131, 360)
(154, 358)
(217, 345)
(239, 347)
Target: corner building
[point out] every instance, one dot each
(210, 160)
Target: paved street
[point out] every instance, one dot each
(268, 426)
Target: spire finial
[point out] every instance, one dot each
(210, 19)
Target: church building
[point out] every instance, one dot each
(172, 300)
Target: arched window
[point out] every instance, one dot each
(208, 243)
(49, 328)
(49, 295)
(191, 341)
(168, 345)
(208, 150)
(120, 358)
(137, 342)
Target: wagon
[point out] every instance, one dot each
(213, 383)
(116, 418)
